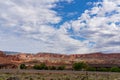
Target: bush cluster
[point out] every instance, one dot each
(23, 66)
(113, 69)
(43, 66)
(78, 66)
(83, 66)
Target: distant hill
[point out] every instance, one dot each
(10, 52)
(58, 59)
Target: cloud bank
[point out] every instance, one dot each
(100, 26)
(28, 25)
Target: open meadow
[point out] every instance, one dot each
(56, 75)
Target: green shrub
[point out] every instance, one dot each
(62, 67)
(79, 66)
(42, 66)
(23, 66)
(103, 69)
(91, 69)
(115, 69)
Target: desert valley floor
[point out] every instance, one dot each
(56, 75)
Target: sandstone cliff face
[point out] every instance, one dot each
(3, 58)
(2, 54)
(50, 58)
(98, 58)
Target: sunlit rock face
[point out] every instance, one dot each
(59, 59)
(2, 53)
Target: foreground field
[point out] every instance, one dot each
(56, 75)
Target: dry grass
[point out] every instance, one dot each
(57, 75)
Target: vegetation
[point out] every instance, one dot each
(52, 68)
(91, 69)
(57, 75)
(80, 66)
(41, 66)
(62, 67)
(115, 69)
(23, 66)
(103, 69)
(76, 66)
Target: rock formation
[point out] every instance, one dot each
(59, 59)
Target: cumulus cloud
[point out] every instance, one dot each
(33, 20)
(27, 15)
(30, 24)
(101, 25)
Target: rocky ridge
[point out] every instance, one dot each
(57, 59)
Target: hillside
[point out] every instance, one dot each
(57, 59)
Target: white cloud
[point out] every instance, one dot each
(30, 21)
(100, 24)
(27, 25)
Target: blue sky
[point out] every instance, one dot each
(60, 26)
(73, 10)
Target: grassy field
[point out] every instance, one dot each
(56, 75)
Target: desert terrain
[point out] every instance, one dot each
(9, 66)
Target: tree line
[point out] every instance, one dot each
(78, 66)
(43, 66)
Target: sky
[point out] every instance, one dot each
(60, 26)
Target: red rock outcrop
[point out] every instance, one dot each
(2, 54)
(56, 59)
